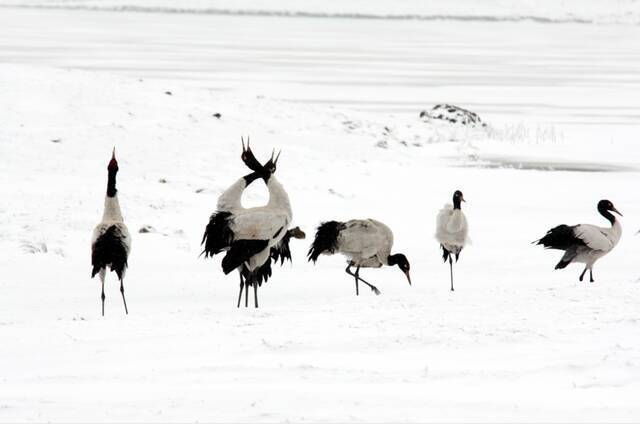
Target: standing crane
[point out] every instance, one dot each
(452, 230)
(585, 243)
(111, 242)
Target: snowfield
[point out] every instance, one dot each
(517, 341)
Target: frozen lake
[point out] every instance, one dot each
(507, 70)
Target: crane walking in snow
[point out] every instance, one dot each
(366, 243)
(111, 242)
(452, 230)
(585, 243)
(251, 237)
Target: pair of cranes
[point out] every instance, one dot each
(254, 238)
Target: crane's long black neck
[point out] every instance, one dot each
(393, 259)
(456, 202)
(111, 184)
(608, 215)
(249, 178)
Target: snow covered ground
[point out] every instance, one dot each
(517, 341)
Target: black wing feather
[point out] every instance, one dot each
(562, 237)
(240, 252)
(217, 235)
(281, 251)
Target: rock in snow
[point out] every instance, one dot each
(452, 114)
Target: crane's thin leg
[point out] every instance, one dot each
(126, 310)
(373, 288)
(241, 287)
(591, 275)
(255, 292)
(357, 276)
(583, 272)
(246, 292)
(348, 271)
(451, 269)
(102, 272)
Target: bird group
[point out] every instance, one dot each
(252, 239)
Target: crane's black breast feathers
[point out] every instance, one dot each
(218, 235)
(240, 252)
(326, 240)
(562, 237)
(109, 250)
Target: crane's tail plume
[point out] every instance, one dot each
(561, 237)
(240, 252)
(217, 235)
(326, 240)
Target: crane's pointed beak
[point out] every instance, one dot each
(113, 163)
(408, 276)
(616, 211)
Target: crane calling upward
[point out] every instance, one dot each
(111, 242)
(251, 237)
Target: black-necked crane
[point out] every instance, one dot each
(452, 230)
(111, 242)
(366, 243)
(585, 243)
(251, 237)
